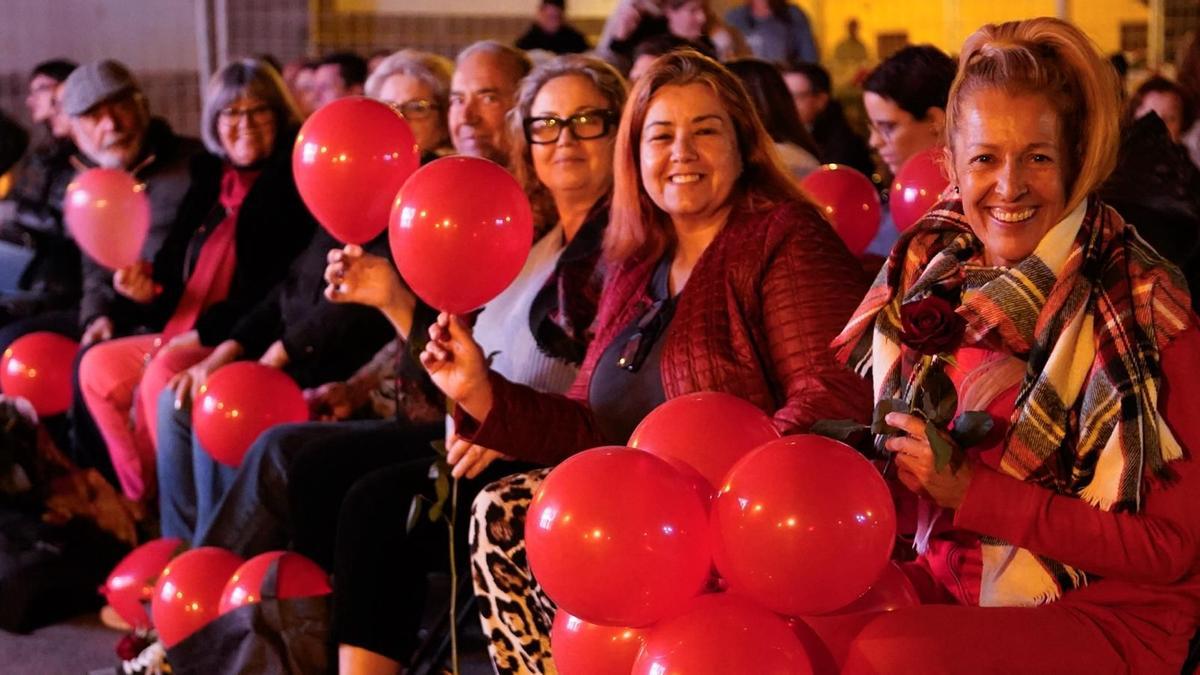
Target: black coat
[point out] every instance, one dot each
(325, 341)
(171, 166)
(273, 227)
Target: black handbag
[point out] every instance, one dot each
(271, 636)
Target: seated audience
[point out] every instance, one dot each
(338, 75)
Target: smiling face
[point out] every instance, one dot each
(689, 152)
(1010, 166)
(246, 129)
(571, 164)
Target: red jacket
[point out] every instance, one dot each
(755, 320)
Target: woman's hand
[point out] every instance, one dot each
(136, 282)
(99, 330)
(469, 460)
(915, 464)
(186, 384)
(457, 366)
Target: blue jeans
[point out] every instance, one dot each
(190, 482)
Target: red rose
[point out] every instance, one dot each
(930, 325)
(131, 646)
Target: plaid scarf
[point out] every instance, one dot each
(1089, 312)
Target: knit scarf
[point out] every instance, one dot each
(1089, 312)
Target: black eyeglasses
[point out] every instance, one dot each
(649, 328)
(584, 125)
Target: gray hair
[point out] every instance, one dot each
(516, 60)
(246, 77)
(607, 80)
(431, 69)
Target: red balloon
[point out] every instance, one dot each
(239, 402)
(582, 648)
(295, 577)
(849, 202)
(617, 537)
(892, 591)
(709, 430)
(187, 594)
(37, 367)
(350, 159)
(918, 186)
(461, 229)
(803, 525)
(108, 214)
(132, 581)
(720, 634)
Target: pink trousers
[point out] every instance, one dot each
(120, 380)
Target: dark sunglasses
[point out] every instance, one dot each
(584, 126)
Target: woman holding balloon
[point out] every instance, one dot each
(1067, 543)
(562, 129)
(248, 223)
(723, 277)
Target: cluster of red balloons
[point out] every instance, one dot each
(240, 401)
(460, 227)
(37, 367)
(625, 542)
(188, 590)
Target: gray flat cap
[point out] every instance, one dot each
(94, 83)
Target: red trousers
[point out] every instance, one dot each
(113, 376)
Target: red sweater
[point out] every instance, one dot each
(755, 320)
(1147, 596)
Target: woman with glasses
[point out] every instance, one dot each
(247, 224)
(905, 99)
(418, 85)
(722, 277)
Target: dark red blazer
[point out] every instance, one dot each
(755, 320)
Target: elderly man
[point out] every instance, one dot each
(482, 90)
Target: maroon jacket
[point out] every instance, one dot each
(755, 320)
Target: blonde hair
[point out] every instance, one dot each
(637, 228)
(1051, 58)
(603, 77)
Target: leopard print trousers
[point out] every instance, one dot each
(515, 612)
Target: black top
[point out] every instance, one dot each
(273, 227)
(567, 40)
(627, 382)
(838, 143)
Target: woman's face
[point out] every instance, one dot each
(895, 134)
(572, 164)
(1168, 106)
(689, 152)
(1010, 167)
(416, 101)
(246, 128)
(687, 20)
